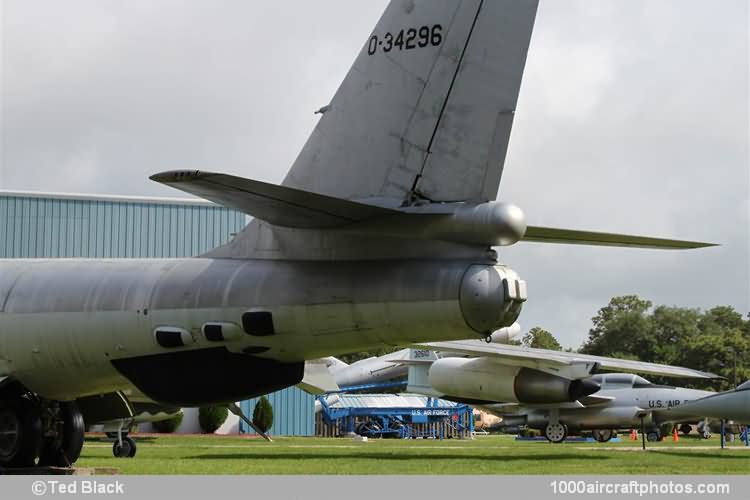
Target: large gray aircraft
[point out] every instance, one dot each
(381, 233)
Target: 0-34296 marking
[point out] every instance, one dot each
(407, 39)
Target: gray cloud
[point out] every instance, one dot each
(633, 117)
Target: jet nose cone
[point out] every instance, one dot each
(582, 388)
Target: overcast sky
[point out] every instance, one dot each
(633, 117)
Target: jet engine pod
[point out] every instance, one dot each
(491, 297)
(534, 386)
(486, 380)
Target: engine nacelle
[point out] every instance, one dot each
(491, 297)
(485, 380)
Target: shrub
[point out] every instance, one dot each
(211, 417)
(530, 432)
(168, 425)
(263, 414)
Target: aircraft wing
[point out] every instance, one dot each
(576, 237)
(278, 205)
(542, 359)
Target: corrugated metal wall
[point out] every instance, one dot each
(37, 226)
(293, 413)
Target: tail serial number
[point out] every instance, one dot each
(407, 39)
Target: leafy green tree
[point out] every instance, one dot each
(709, 341)
(622, 326)
(540, 338)
(672, 329)
(263, 414)
(211, 417)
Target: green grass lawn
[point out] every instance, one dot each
(170, 454)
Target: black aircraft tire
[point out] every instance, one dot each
(653, 436)
(133, 448)
(602, 435)
(73, 431)
(685, 429)
(127, 450)
(21, 433)
(64, 450)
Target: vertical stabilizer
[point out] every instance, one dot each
(426, 109)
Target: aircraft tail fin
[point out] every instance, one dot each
(334, 364)
(426, 110)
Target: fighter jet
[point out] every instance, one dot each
(381, 233)
(728, 405)
(557, 390)
(623, 400)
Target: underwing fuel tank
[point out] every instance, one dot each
(483, 380)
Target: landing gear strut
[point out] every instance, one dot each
(124, 446)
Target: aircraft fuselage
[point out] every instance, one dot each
(71, 328)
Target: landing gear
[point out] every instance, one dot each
(685, 429)
(31, 428)
(20, 433)
(125, 448)
(653, 436)
(63, 443)
(602, 435)
(556, 433)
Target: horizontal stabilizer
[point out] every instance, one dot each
(575, 237)
(278, 205)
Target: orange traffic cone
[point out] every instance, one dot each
(633, 435)
(675, 436)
